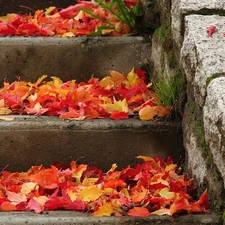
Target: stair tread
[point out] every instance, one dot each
(70, 218)
(23, 122)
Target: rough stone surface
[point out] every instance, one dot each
(78, 58)
(181, 8)
(74, 218)
(201, 55)
(198, 165)
(30, 140)
(193, 150)
(214, 122)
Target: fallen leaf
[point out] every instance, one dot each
(90, 194)
(138, 211)
(147, 113)
(6, 118)
(105, 210)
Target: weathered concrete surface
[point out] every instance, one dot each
(181, 8)
(74, 218)
(78, 57)
(214, 122)
(26, 6)
(30, 140)
(201, 55)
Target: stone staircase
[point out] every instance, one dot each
(30, 140)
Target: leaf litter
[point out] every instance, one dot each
(115, 96)
(154, 187)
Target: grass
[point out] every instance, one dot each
(168, 88)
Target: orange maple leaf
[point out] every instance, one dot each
(148, 113)
(138, 211)
(46, 178)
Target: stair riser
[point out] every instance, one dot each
(77, 58)
(36, 143)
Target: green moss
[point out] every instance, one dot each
(206, 11)
(205, 148)
(172, 58)
(162, 32)
(215, 75)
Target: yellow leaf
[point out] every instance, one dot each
(27, 187)
(79, 172)
(72, 194)
(115, 78)
(41, 199)
(89, 181)
(114, 166)
(39, 81)
(105, 210)
(162, 211)
(165, 193)
(49, 10)
(56, 82)
(4, 18)
(6, 118)
(120, 106)
(147, 113)
(132, 78)
(90, 194)
(149, 159)
(170, 167)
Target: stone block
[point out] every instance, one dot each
(181, 8)
(201, 55)
(214, 122)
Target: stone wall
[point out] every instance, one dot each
(202, 59)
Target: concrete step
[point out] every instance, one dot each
(31, 140)
(76, 218)
(79, 58)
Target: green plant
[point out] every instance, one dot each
(162, 32)
(125, 11)
(168, 88)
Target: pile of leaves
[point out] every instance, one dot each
(115, 96)
(152, 188)
(95, 17)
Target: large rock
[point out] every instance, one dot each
(214, 122)
(203, 58)
(181, 8)
(198, 165)
(201, 55)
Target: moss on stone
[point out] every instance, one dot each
(215, 75)
(199, 128)
(172, 58)
(162, 32)
(205, 11)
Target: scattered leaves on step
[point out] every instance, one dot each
(92, 18)
(153, 187)
(115, 96)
